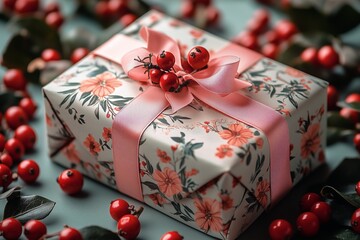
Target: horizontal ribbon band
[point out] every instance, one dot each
(216, 86)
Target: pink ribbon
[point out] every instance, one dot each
(216, 86)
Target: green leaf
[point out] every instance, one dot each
(151, 185)
(334, 119)
(32, 36)
(331, 193)
(335, 22)
(8, 99)
(25, 208)
(347, 173)
(354, 105)
(96, 232)
(178, 139)
(9, 192)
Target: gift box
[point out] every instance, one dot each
(214, 154)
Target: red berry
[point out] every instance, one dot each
(34, 229)
(15, 116)
(165, 60)
(357, 187)
(285, 29)
(26, 135)
(102, 10)
(78, 54)
(308, 224)
(270, 50)
(129, 227)
(198, 57)
(2, 142)
(117, 7)
(327, 57)
(205, 3)
(71, 181)
(169, 82)
(119, 208)
(247, 40)
(29, 107)
(354, 97)
(187, 9)
(212, 16)
(28, 171)
(322, 210)
(355, 220)
(11, 228)
(69, 233)
(128, 19)
(308, 200)
(155, 75)
(263, 16)
(332, 97)
(26, 6)
(357, 146)
(51, 7)
(5, 176)
(309, 55)
(14, 79)
(50, 55)
(54, 20)
(186, 66)
(350, 114)
(6, 159)
(173, 235)
(280, 229)
(271, 36)
(9, 4)
(15, 148)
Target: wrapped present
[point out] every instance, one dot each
(228, 143)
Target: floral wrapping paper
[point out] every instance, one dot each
(197, 165)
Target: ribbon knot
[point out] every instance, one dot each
(218, 77)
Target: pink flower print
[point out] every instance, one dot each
(196, 33)
(106, 134)
(71, 153)
(310, 140)
(294, 73)
(224, 150)
(262, 188)
(174, 147)
(208, 214)
(321, 156)
(101, 85)
(191, 173)
(259, 142)
(157, 199)
(163, 156)
(168, 181)
(92, 145)
(236, 181)
(305, 85)
(226, 201)
(48, 121)
(237, 134)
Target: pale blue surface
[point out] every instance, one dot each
(91, 208)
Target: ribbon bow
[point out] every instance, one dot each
(218, 77)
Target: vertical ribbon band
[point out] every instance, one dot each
(133, 119)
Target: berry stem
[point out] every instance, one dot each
(138, 211)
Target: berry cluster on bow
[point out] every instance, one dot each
(163, 72)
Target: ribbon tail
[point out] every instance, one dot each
(274, 126)
(128, 127)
